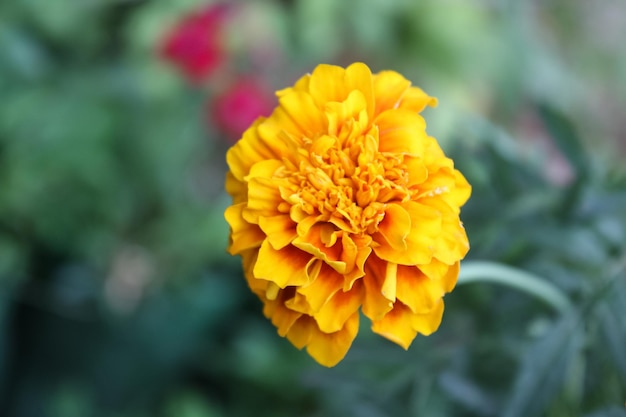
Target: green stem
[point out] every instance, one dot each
(483, 271)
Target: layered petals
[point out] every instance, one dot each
(343, 204)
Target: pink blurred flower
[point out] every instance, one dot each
(234, 110)
(195, 44)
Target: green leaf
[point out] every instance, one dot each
(544, 368)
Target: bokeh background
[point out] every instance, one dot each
(117, 297)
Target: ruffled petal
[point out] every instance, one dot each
(425, 227)
(417, 291)
(320, 290)
(251, 149)
(243, 235)
(330, 348)
(379, 276)
(397, 326)
(428, 323)
(401, 132)
(416, 100)
(280, 230)
(395, 227)
(285, 267)
(389, 88)
(339, 308)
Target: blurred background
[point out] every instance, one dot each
(117, 297)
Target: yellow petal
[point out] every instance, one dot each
(428, 323)
(389, 88)
(251, 149)
(417, 291)
(319, 291)
(301, 332)
(328, 349)
(298, 113)
(401, 132)
(375, 303)
(285, 267)
(243, 235)
(341, 306)
(397, 325)
(280, 230)
(448, 281)
(282, 317)
(263, 199)
(359, 78)
(338, 113)
(425, 228)
(330, 83)
(416, 100)
(237, 189)
(462, 189)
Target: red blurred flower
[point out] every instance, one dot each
(195, 44)
(234, 110)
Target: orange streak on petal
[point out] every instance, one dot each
(243, 235)
(319, 291)
(333, 314)
(395, 227)
(375, 304)
(285, 267)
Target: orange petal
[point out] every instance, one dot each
(395, 227)
(319, 291)
(417, 291)
(313, 243)
(375, 303)
(285, 267)
(341, 306)
(330, 348)
(396, 325)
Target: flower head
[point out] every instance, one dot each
(195, 44)
(343, 203)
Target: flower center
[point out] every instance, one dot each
(348, 184)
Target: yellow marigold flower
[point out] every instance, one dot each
(342, 202)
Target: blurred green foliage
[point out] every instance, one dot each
(117, 297)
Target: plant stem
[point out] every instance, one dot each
(483, 271)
